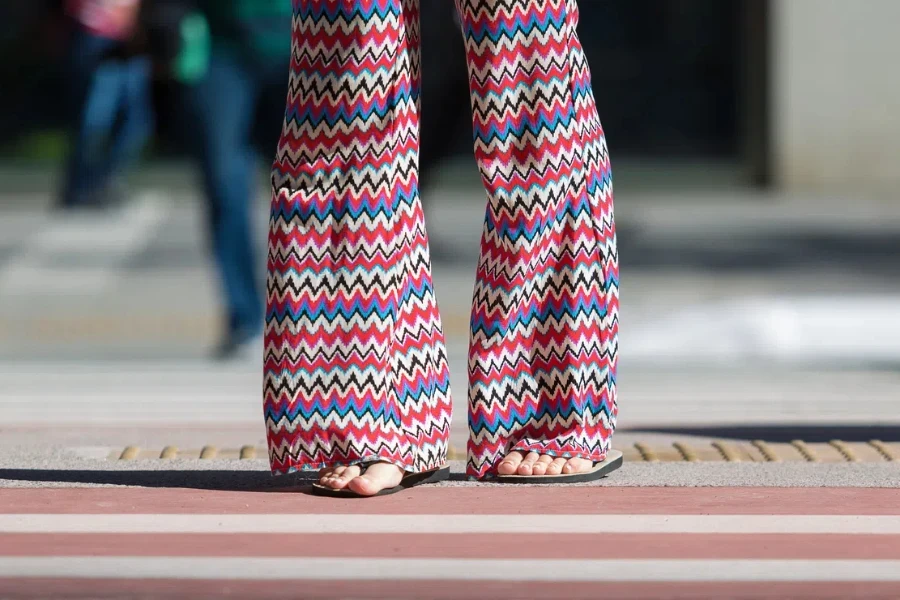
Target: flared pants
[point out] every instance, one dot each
(355, 366)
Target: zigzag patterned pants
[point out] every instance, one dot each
(355, 362)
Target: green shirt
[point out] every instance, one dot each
(259, 29)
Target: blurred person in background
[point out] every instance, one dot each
(109, 92)
(236, 112)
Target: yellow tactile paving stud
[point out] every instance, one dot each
(694, 451)
(729, 452)
(129, 453)
(885, 450)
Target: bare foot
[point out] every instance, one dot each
(338, 477)
(519, 463)
(378, 476)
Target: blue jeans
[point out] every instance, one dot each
(113, 114)
(223, 108)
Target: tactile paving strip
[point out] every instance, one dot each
(835, 451)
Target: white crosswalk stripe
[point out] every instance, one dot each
(116, 235)
(440, 524)
(605, 570)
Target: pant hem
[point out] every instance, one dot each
(313, 467)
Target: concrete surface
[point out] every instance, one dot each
(62, 469)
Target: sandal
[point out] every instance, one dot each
(613, 461)
(409, 480)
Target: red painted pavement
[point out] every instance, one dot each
(462, 500)
(497, 546)
(535, 501)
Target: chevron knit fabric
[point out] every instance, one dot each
(355, 362)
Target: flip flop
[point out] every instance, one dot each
(409, 480)
(614, 460)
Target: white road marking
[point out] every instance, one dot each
(343, 569)
(779, 327)
(169, 391)
(122, 233)
(443, 524)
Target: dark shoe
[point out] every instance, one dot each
(114, 194)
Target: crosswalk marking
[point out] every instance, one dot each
(114, 391)
(449, 524)
(450, 542)
(117, 234)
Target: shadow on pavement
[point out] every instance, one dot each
(865, 253)
(218, 480)
(784, 433)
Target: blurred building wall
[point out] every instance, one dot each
(836, 95)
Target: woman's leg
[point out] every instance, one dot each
(355, 363)
(542, 358)
(225, 157)
(138, 118)
(95, 92)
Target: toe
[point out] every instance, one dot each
(556, 466)
(342, 479)
(540, 467)
(329, 474)
(527, 466)
(577, 465)
(377, 477)
(509, 464)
